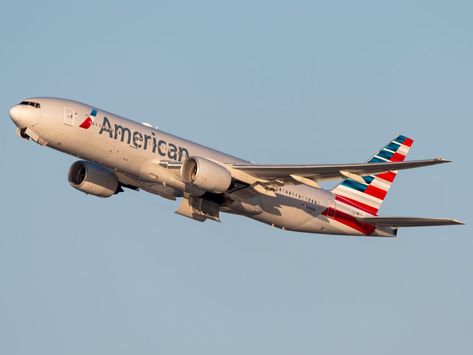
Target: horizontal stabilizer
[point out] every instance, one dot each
(408, 221)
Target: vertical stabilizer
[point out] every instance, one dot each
(368, 196)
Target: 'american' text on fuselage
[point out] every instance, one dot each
(143, 141)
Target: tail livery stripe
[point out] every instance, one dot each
(375, 187)
(389, 176)
(398, 157)
(376, 192)
(385, 154)
(355, 185)
(357, 204)
(404, 140)
(377, 160)
(358, 196)
(349, 221)
(393, 147)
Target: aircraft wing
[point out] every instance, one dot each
(331, 171)
(256, 174)
(408, 221)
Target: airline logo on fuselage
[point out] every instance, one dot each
(89, 119)
(147, 142)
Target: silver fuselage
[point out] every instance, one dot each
(129, 148)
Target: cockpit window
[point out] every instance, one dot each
(31, 103)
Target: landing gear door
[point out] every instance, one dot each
(68, 116)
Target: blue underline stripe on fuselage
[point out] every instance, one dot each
(354, 185)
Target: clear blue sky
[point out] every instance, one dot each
(269, 81)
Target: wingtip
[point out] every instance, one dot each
(440, 160)
(456, 221)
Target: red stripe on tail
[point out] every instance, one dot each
(389, 176)
(375, 192)
(397, 157)
(349, 221)
(408, 142)
(357, 204)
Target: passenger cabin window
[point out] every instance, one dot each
(31, 103)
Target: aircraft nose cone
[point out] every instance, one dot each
(15, 114)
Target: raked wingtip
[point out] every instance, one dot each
(441, 160)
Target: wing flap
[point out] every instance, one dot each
(408, 221)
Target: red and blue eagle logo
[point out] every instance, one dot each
(89, 119)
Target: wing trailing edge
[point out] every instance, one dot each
(332, 171)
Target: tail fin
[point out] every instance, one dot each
(369, 196)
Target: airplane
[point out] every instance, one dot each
(117, 153)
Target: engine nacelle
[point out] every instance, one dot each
(93, 179)
(206, 174)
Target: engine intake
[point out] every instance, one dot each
(206, 174)
(93, 179)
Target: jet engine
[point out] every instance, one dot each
(206, 174)
(93, 179)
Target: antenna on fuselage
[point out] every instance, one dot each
(148, 125)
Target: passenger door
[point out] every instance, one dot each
(68, 116)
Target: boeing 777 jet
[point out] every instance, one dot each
(118, 153)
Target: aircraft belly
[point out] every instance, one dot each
(281, 214)
(298, 215)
